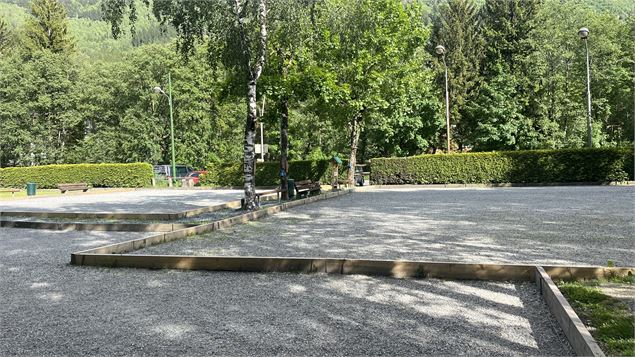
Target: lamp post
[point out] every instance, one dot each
(584, 35)
(169, 96)
(440, 50)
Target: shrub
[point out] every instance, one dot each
(97, 175)
(267, 173)
(536, 166)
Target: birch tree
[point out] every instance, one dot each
(235, 32)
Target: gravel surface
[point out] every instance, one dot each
(141, 201)
(51, 308)
(547, 225)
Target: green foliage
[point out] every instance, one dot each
(517, 79)
(5, 36)
(48, 28)
(457, 26)
(96, 175)
(611, 319)
(538, 166)
(267, 173)
(38, 117)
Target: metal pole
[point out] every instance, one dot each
(171, 126)
(589, 129)
(447, 105)
(262, 143)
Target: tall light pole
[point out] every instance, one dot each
(440, 50)
(169, 95)
(584, 35)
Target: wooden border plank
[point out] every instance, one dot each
(129, 246)
(579, 337)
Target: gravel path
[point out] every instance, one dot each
(548, 225)
(141, 201)
(51, 308)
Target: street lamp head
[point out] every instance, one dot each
(440, 50)
(583, 33)
(158, 90)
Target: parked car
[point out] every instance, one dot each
(163, 171)
(195, 176)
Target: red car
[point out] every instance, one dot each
(195, 176)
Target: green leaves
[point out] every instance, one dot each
(48, 28)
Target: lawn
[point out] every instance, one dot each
(610, 320)
(44, 192)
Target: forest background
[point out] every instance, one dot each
(516, 71)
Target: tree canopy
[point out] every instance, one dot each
(353, 77)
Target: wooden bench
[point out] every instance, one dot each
(12, 190)
(73, 187)
(277, 192)
(307, 187)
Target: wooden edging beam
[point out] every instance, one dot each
(577, 334)
(130, 216)
(132, 245)
(579, 337)
(113, 227)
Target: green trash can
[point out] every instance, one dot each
(291, 188)
(30, 189)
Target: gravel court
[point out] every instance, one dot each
(580, 225)
(139, 201)
(51, 308)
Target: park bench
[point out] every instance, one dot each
(307, 187)
(276, 191)
(73, 187)
(12, 190)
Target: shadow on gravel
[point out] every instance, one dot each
(569, 226)
(51, 308)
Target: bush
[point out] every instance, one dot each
(97, 175)
(268, 173)
(536, 166)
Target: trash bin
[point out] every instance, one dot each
(30, 189)
(291, 188)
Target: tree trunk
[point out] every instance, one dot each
(284, 146)
(354, 129)
(249, 167)
(249, 152)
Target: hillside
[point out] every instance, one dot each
(91, 33)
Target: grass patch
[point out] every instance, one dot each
(40, 192)
(609, 320)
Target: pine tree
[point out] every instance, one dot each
(5, 37)
(457, 26)
(498, 115)
(48, 28)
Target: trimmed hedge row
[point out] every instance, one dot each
(267, 173)
(535, 166)
(97, 175)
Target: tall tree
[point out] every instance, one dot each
(457, 26)
(5, 37)
(366, 48)
(48, 28)
(558, 74)
(236, 33)
(497, 116)
(288, 50)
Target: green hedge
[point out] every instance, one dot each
(536, 166)
(267, 173)
(97, 175)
